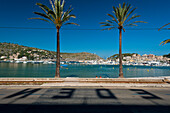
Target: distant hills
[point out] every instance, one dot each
(115, 56)
(80, 56)
(14, 51)
(168, 55)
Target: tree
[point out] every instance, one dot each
(165, 41)
(58, 17)
(121, 18)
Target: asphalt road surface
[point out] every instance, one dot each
(84, 100)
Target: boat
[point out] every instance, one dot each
(18, 62)
(48, 62)
(25, 62)
(37, 62)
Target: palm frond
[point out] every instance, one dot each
(113, 17)
(133, 17)
(71, 16)
(139, 22)
(72, 23)
(47, 10)
(163, 26)
(40, 19)
(65, 15)
(44, 6)
(126, 12)
(109, 21)
(108, 28)
(119, 16)
(124, 5)
(124, 30)
(126, 17)
(106, 23)
(165, 42)
(115, 12)
(44, 10)
(62, 6)
(44, 15)
(56, 14)
(122, 16)
(53, 7)
(52, 14)
(58, 8)
(131, 24)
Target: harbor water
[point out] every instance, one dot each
(77, 70)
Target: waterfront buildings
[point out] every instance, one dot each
(135, 59)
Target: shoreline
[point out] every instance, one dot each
(100, 64)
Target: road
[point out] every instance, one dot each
(84, 100)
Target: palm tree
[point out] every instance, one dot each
(165, 41)
(121, 18)
(58, 17)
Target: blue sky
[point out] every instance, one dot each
(15, 13)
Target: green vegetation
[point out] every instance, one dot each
(19, 51)
(79, 56)
(168, 56)
(9, 49)
(115, 56)
(121, 18)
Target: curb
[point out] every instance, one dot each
(114, 85)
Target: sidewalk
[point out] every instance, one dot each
(72, 84)
(87, 82)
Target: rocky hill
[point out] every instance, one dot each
(14, 51)
(80, 56)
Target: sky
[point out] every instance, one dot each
(89, 13)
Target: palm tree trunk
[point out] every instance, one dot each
(120, 54)
(57, 74)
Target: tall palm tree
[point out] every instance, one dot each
(121, 18)
(58, 17)
(165, 41)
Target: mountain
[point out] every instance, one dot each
(14, 51)
(79, 56)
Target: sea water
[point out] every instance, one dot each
(78, 70)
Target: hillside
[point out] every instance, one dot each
(115, 56)
(168, 56)
(80, 56)
(12, 51)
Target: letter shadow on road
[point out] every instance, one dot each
(67, 93)
(24, 93)
(145, 94)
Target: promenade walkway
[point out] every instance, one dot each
(88, 82)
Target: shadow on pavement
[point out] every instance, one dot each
(64, 93)
(25, 93)
(105, 94)
(20, 108)
(145, 94)
(50, 104)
